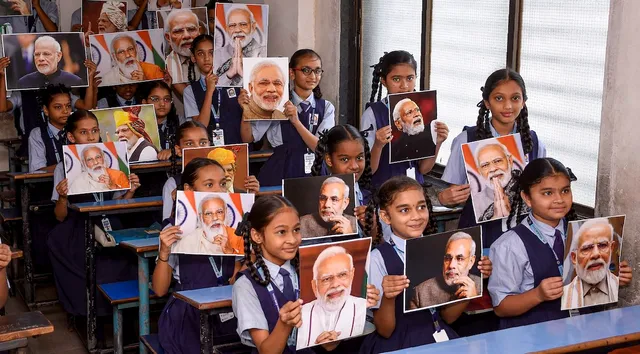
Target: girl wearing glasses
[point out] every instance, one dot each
(215, 108)
(295, 141)
(527, 283)
(158, 93)
(402, 203)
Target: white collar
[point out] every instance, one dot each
(495, 134)
(400, 243)
(274, 269)
(296, 100)
(548, 231)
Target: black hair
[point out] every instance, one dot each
(194, 45)
(211, 5)
(45, 95)
(190, 172)
(262, 213)
(385, 197)
(533, 174)
(385, 65)
(179, 134)
(496, 78)
(329, 141)
(72, 122)
(302, 53)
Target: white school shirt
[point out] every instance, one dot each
(37, 149)
(378, 269)
(103, 103)
(246, 305)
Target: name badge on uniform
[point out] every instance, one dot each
(314, 119)
(224, 317)
(231, 92)
(308, 162)
(411, 172)
(106, 224)
(440, 336)
(217, 136)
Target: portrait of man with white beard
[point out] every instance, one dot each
(493, 170)
(125, 64)
(594, 249)
(94, 175)
(415, 131)
(268, 90)
(244, 37)
(180, 28)
(334, 313)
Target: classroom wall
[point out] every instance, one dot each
(618, 167)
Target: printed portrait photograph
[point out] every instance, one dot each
(41, 59)
(443, 268)
(155, 5)
(100, 17)
(493, 167)
(181, 27)
(233, 158)
(240, 32)
(333, 287)
(592, 262)
(136, 126)
(267, 81)
(208, 222)
(99, 167)
(325, 204)
(412, 118)
(128, 57)
(15, 8)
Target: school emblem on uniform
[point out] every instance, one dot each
(314, 119)
(231, 92)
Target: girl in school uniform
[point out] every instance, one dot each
(502, 111)
(190, 134)
(215, 108)
(294, 141)
(403, 204)
(158, 93)
(396, 71)
(526, 285)
(179, 323)
(66, 241)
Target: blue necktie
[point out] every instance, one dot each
(287, 291)
(305, 106)
(558, 245)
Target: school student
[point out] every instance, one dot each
(179, 323)
(294, 141)
(119, 96)
(403, 204)
(216, 108)
(5, 258)
(66, 241)
(526, 285)
(191, 134)
(158, 93)
(43, 18)
(396, 71)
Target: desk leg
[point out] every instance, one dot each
(205, 333)
(29, 289)
(90, 252)
(441, 224)
(143, 290)
(117, 330)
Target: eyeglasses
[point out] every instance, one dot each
(411, 111)
(242, 25)
(131, 50)
(448, 258)
(156, 99)
(307, 71)
(328, 279)
(219, 213)
(602, 248)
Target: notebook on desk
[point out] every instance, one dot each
(117, 236)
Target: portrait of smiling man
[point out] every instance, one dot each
(267, 87)
(47, 54)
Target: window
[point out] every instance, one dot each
(562, 58)
(388, 25)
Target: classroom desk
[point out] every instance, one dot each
(209, 301)
(10, 143)
(144, 248)
(582, 332)
(108, 207)
(23, 325)
(443, 214)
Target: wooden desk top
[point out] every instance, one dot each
(23, 325)
(207, 298)
(262, 154)
(26, 176)
(138, 166)
(142, 245)
(118, 204)
(560, 336)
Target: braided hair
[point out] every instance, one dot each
(385, 65)
(194, 45)
(499, 77)
(328, 143)
(72, 122)
(306, 53)
(262, 213)
(385, 197)
(533, 174)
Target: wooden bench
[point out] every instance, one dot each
(122, 295)
(16, 328)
